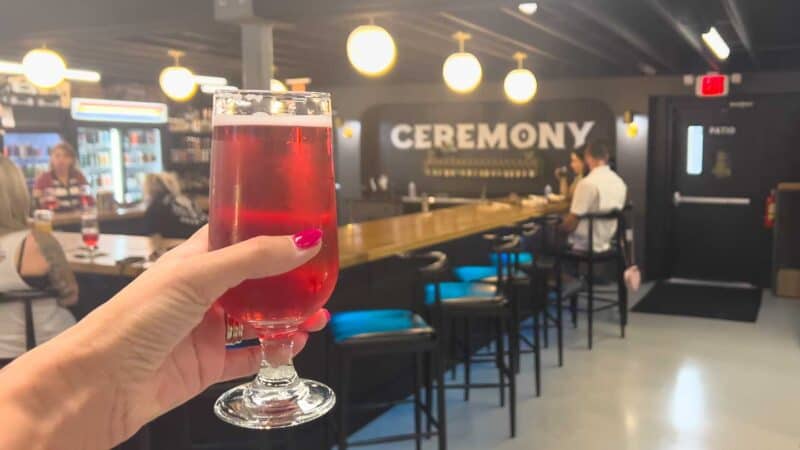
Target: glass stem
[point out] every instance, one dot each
(277, 379)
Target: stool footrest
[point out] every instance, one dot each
(387, 439)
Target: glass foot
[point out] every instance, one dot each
(250, 408)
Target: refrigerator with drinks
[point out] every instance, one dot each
(29, 137)
(119, 143)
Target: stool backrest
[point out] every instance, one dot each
(430, 267)
(617, 215)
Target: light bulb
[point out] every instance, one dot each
(462, 72)
(520, 85)
(277, 86)
(178, 83)
(44, 67)
(371, 50)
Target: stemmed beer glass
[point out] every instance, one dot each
(272, 174)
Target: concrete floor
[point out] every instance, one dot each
(674, 383)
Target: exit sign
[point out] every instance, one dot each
(711, 85)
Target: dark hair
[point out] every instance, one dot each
(579, 151)
(67, 148)
(600, 149)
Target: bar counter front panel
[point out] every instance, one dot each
(371, 277)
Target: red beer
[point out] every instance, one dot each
(90, 239)
(274, 176)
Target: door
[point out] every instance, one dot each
(716, 216)
(141, 154)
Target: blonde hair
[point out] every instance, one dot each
(158, 183)
(15, 203)
(67, 148)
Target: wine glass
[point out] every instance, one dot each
(272, 174)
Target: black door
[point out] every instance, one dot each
(716, 215)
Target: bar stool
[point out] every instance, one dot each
(615, 254)
(456, 301)
(392, 332)
(510, 260)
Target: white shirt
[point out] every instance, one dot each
(601, 191)
(49, 318)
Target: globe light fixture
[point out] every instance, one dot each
(520, 84)
(177, 82)
(276, 85)
(44, 68)
(371, 50)
(462, 71)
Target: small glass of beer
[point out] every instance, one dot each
(43, 220)
(272, 174)
(90, 229)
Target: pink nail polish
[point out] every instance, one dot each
(307, 238)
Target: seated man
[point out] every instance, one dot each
(600, 191)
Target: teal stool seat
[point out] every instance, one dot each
(486, 274)
(376, 324)
(463, 294)
(523, 258)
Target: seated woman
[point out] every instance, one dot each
(578, 166)
(170, 213)
(36, 283)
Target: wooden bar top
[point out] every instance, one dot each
(358, 243)
(74, 217)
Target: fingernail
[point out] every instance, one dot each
(307, 238)
(327, 315)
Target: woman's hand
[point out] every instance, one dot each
(156, 344)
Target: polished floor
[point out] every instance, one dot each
(676, 383)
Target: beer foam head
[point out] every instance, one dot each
(277, 120)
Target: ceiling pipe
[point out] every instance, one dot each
(564, 37)
(625, 32)
(734, 12)
(692, 37)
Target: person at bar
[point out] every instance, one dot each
(30, 262)
(60, 188)
(170, 213)
(578, 167)
(600, 191)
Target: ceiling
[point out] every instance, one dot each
(128, 41)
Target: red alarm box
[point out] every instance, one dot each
(711, 85)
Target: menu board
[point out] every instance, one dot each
(470, 148)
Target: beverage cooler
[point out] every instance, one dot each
(119, 143)
(35, 131)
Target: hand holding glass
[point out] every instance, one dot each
(272, 174)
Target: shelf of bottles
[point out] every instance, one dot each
(94, 156)
(191, 139)
(31, 160)
(141, 154)
(467, 167)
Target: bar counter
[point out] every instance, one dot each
(74, 217)
(358, 243)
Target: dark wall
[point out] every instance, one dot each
(620, 94)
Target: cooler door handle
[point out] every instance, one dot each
(678, 199)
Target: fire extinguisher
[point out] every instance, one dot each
(769, 213)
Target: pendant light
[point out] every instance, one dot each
(371, 50)
(177, 82)
(462, 71)
(520, 84)
(44, 68)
